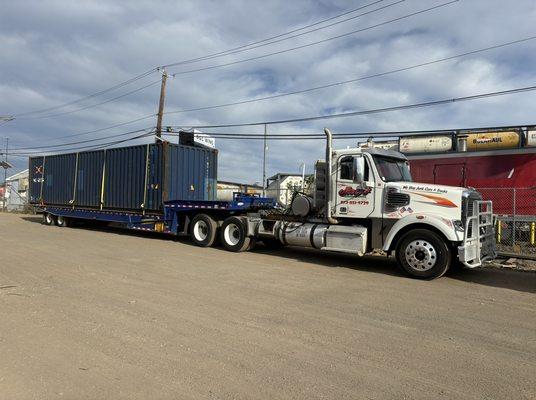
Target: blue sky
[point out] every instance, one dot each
(58, 51)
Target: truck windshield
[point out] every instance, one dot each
(393, 169)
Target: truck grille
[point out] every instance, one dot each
(395, 199)
(468, 204)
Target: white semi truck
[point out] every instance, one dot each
(363, 201)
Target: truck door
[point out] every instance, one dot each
(354, 197)
(450, 174)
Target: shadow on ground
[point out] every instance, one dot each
(377, 264)
(500, 278)
(506, 279)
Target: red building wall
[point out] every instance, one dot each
(494, 173)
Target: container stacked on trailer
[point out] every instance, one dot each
(122, 183)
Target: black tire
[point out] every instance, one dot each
(62, 222)
(423, 254)
(233, 235)
(203, 230)
(48, 219)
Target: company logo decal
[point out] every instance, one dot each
(349, 191)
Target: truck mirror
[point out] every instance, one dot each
(359, 169)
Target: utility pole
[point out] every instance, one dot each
(161, 106)
(264, 163)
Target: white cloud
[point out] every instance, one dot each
(53, 52)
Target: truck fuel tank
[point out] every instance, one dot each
(341, 238)
(301, 234)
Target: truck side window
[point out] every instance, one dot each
(367, 174)
(347, 168)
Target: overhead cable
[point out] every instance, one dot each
(362, 78)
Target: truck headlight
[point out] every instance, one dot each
(458, 225)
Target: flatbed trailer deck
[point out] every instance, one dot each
(174, 219)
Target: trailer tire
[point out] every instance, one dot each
(48, 219)
(233, 235)
(423, 254)
(203, 230)
(62, 222)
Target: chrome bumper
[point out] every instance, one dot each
(479, 237)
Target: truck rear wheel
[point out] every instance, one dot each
(423, 254)
(203, 230)
(48, 219)
(233, 235)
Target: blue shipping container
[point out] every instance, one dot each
(127, 178)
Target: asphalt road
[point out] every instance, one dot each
(106, 314)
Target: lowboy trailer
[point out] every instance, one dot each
(363, 200)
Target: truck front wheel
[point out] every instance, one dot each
(423, 254)
(233, 235)
(203, 230)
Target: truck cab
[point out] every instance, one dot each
(364, 200)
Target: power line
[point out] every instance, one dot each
(119, 85)
(89, 147)
(106, 127)
(339, 83)
(95, 105)
(79, 142)
(354, 135)
(213, 55)
(377, 110)
(146, 73)
(317, 42)
(369, 133)
(270, 41)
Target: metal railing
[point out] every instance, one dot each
(479, 244)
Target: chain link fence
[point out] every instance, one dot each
(516, 218)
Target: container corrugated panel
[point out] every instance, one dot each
(58, 184)
(191, 173)
(135, 178)
(35, 178)
(155, 178)
(124, 180)
(89, 178)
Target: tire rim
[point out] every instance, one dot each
(200, 231)
(231, 234)
(60, 221)
(48, 219)
(421, 255)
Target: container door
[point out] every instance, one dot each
(450, 174)
(35, 179)
(124, 183)
(89, 179)
(58, 185)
